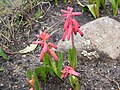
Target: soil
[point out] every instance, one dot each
(96, 74)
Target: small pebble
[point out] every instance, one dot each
(114, 66)
(1, 85)
(112, 88)
(19, 62)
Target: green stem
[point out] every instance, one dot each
(56, 2)
(72, 39)
(65, 1)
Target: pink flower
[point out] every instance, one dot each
(71, 25)
(43, 35)
(46, 47)
(69, 70)
(69, 12)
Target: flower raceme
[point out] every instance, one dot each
(46, 47)
(69, 70)
(71, 25)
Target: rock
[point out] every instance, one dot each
(102, 34)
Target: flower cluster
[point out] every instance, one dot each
(71, 25)
(69, 70)
(46, 47)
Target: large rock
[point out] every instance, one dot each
(102, 34)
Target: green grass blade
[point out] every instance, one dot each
(4, 56)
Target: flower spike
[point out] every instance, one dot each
(71, 25)
(46, 47)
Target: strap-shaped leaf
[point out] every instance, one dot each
(59, 63)
(46, 60)
(72, 57)
(37, 83)
(90, 8)
(115, 5)
(3, 54)
(42, 71)
(74, 81)
(29, 74)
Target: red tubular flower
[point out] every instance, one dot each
(53, 54)
(69, 12)
(69, 70)
(71, 25)
(43, 35)
(46, 47)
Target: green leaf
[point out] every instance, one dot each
(74, 81)
(1, 69)
(3, 54)
(90, 8)
(65, 1)
(90, 1)
(59, 63)
(115, 5)
(43, 71)
(38, 14)
(72, 57)
(97, 7)
(29, 74)
(28, 48)
(48, 64)
(103, 3)
(37, 84)
(56, 2)
(46, 60)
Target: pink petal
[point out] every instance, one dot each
(64, 75)
(64, 15)
(45, 48)
(53, 45)
(37, 42)
(42, 55)
(42, 37)
(64, 11)
(75, 32)
(53, 54)
(76, 13)
(69, 32)
(69, 9)
(73, 72)
(65, 34)
(48, 36)
(66, 24)
(68, 15)
(81, 33)
(76, 25)
(37, 36)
